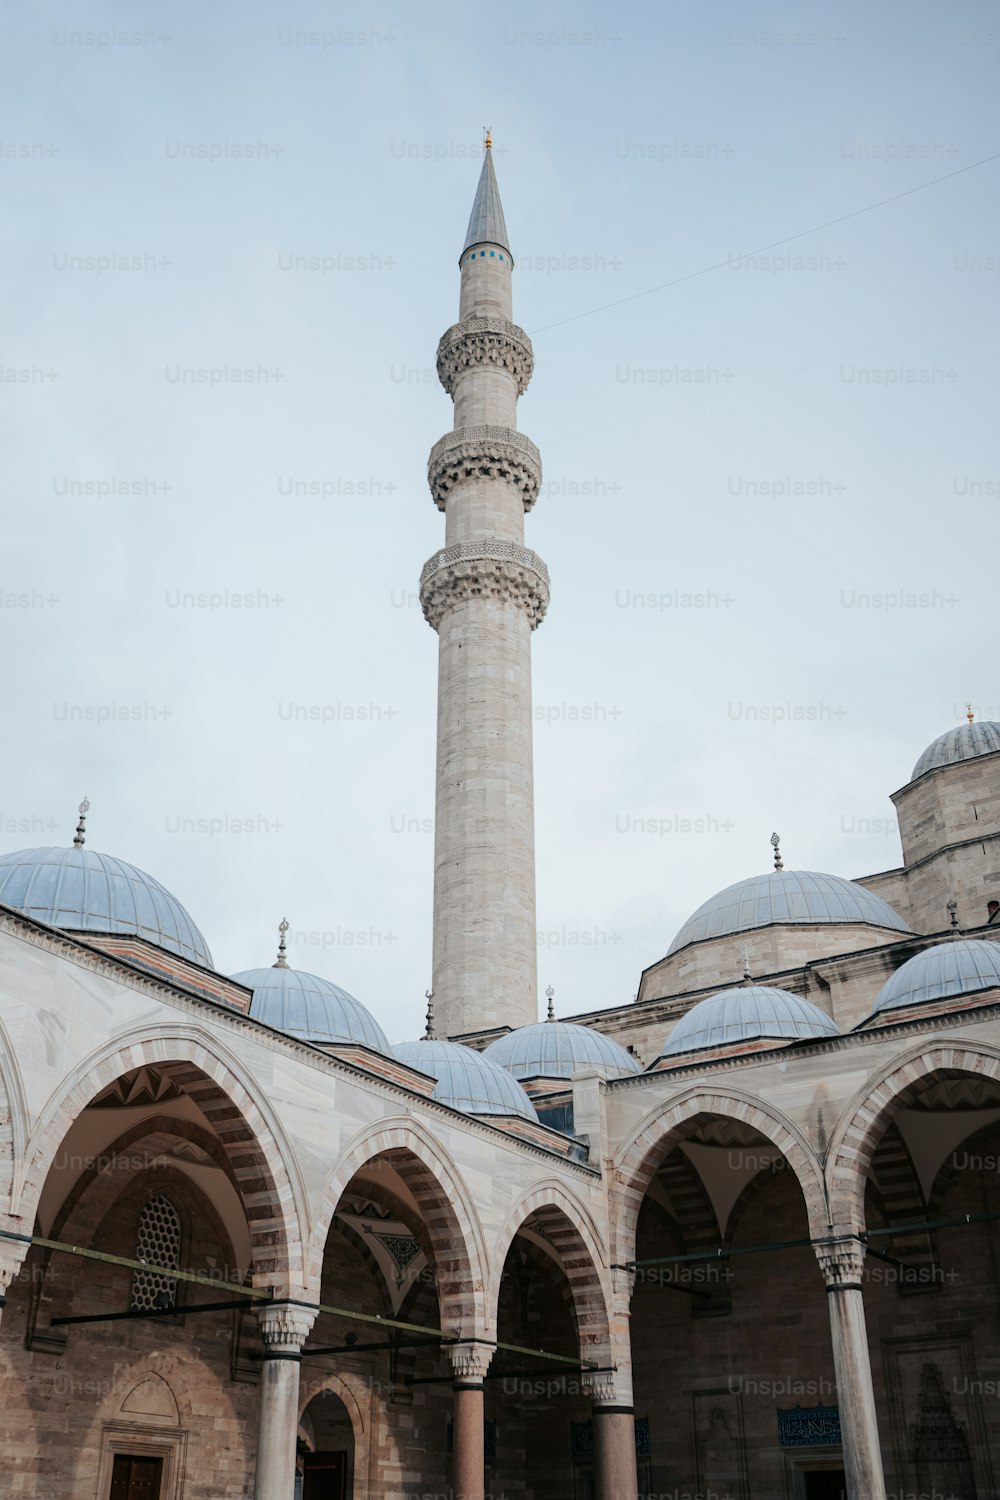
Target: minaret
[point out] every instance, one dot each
(484, 593)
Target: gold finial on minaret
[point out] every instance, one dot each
(80, 827)
(968, 712)
(488, 137)
(281, 961)
(550, 996)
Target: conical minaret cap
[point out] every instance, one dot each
(486, 222)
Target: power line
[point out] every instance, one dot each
(774, 245)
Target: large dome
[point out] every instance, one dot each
(744, 1014)
(957, 967)
(312, 1009)
(80, 890)
(466, 1079)
(963, 743)
(558, 1049)
(785, 896)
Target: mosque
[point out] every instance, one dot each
(739, 1240)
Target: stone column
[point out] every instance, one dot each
(12, 1257)
(283, 1330)
(470, 1363)
(615, 1475)
(842, 1265)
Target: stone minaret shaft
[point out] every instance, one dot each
(484, 594)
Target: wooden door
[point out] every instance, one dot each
(136, 1478)
(325, 1476)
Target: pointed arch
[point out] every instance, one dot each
(580, 1250)
(453, 1225)
(13, 1122)
(236, 1107)
(866, 1118)
(665, 1126)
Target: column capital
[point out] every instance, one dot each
(601, 1389)
(842, 1263)
(470, 1361)
(284, 1328)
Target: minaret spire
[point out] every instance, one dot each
(484, 593)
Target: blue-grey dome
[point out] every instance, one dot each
(957, 967)
(80, 890)
(744, 1014)
(312, 1009)
(558, 1049)
(785, 896)
(963, 743)
(466, 1079)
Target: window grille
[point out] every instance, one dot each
(159, 1242)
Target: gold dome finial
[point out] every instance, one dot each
(282, 961)
(968, 712)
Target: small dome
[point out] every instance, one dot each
(963, 743)
(785, 896)
(558, 1049)
(312, 1009)
(957, 967)
(466, 1079)
(745, 1013)
(80, 890)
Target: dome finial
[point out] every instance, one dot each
(429, 1032)
(775, 842)
(550, 996)
(80, 827)
(968, 712)
(747, 976)
(281, 961)
(953, 913)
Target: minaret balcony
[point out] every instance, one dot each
(490, 569)
(484, 453)
(483, 341)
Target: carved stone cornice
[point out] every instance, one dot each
(285, 1328)
(484, 453)
(470, 1361)
(490, 569)
(485, 341)
(842, 1263)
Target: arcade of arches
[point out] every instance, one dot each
(769, 1277)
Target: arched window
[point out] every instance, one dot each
(159, 1243)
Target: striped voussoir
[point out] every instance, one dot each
(451, 1225)
(856, 1139)
(237, 1121)
(640, 1157)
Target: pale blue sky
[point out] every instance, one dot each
(675, 138)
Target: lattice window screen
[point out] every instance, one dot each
(159, 1242)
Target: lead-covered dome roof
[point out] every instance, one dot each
(963, 743)
(558, 1049)
(744, 1014)
(959, 966)
(467, 1079)
(310, 1008)
(80, 890)
(785, 896)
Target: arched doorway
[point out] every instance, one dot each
(325, 1461)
